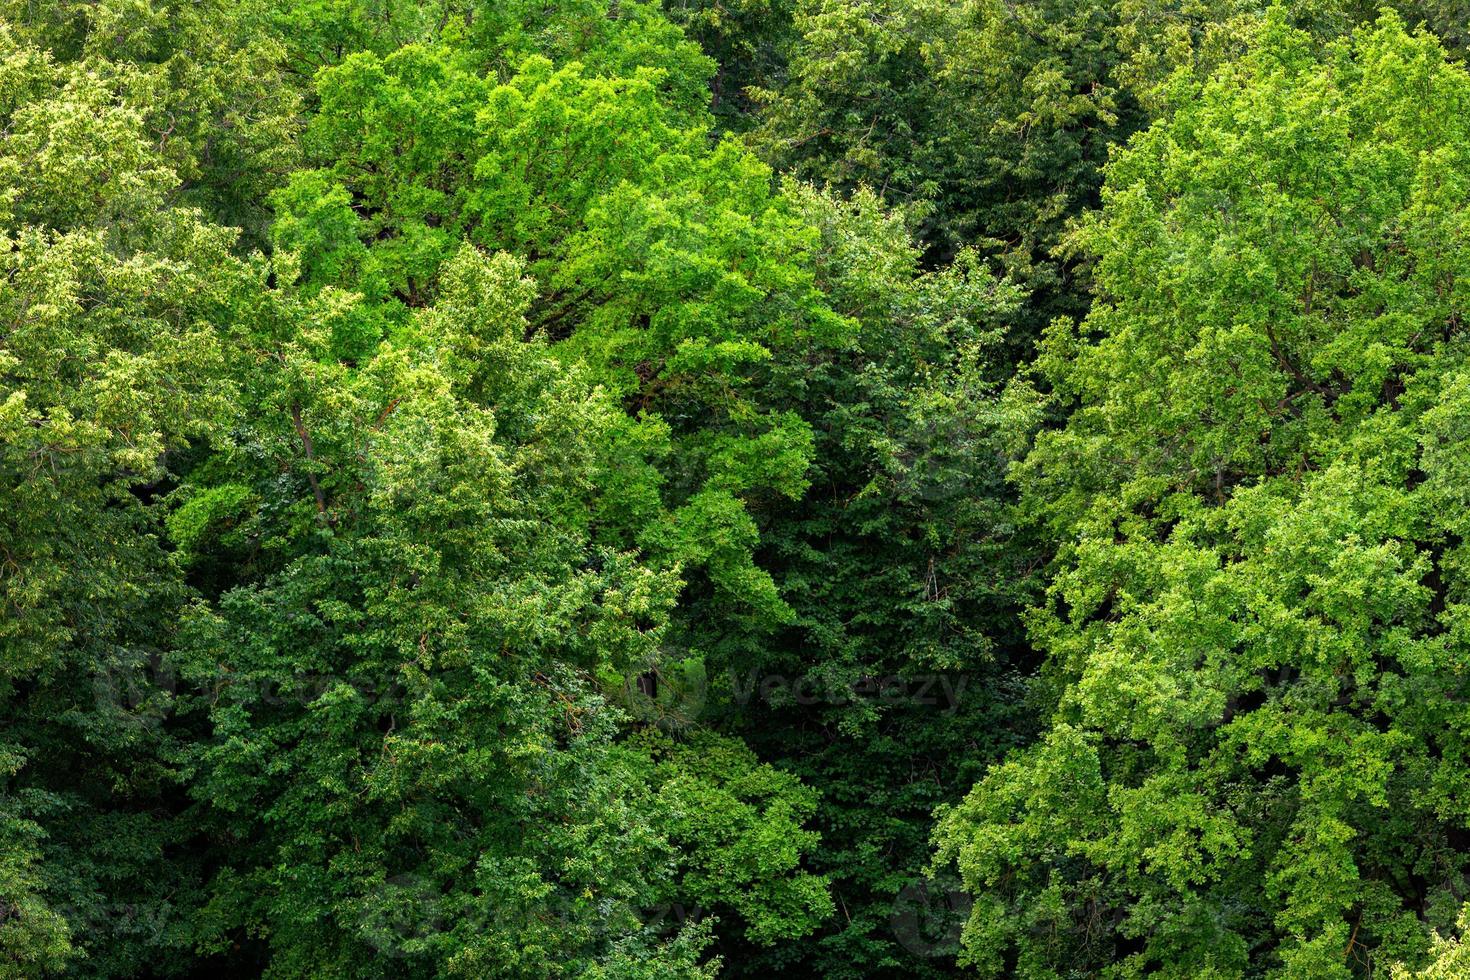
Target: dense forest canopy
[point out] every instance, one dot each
(735, 488)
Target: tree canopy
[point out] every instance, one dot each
(763, 488)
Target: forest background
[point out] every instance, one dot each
(746, 488)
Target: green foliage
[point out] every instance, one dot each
(750, 42)
(111, 363)
(204, 79)
(33, 936)
(666, 266)
(601, 489)
(1251, 626)
(904, 571)
(405, 747)
(739, 828)
(1451, 958)
(991, 120)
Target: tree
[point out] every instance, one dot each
(206, 80)
(749, 41)
(991, 120)
(1252, 624)
(896, 682)
(1450, 958)
(116, 310)
(408, 764)
(668, 267)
